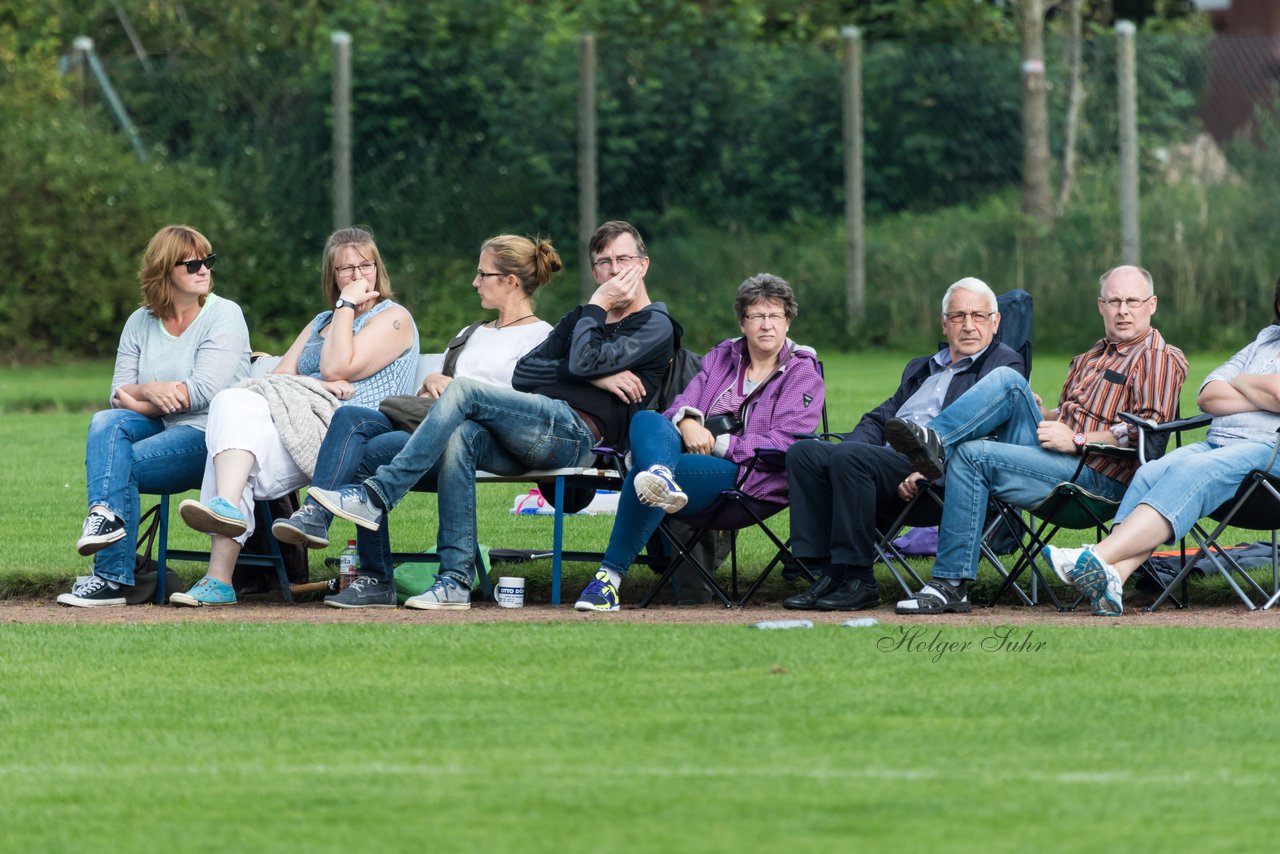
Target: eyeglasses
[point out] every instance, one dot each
(978, 317)
(1130, 303)
(603, 264)
(761, 318)
(349, 270)
(481, 274)
(193, 266)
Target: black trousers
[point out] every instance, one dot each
(838, 492)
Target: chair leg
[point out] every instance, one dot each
(263, 510)
(162, 559)
(682, 552)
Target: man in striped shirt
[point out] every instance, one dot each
(1132, 369)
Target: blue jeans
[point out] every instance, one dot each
(1190, 483)
(358, 441)
(128, 453)
(1012, 467)
(475, 425)
(656, 441)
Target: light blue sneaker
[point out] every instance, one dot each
(1101, 583)
(657, 487)
(216, 516)
(445, 595)
(599, 595)
(206, 591)
(351, 503)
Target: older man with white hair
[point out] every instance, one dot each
(1032, 449)
(838, 491)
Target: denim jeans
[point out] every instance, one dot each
(128, 453)
(1012, 466)
(475, 425)
(656, 441)
(1190, 483)
(358, 441)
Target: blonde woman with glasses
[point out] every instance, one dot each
(361, 350)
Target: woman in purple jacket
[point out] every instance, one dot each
(762, 383)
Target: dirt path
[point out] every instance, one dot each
(42, 611)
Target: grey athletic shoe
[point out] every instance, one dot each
(351, 503)
(308, 527)
(445, 595)
(365, 592)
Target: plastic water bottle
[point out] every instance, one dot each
(784, 624)
(860, 622)
(348, 565)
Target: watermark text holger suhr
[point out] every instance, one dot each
(930, 642)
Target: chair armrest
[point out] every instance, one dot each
(1179, 426)
(835, 437)
(771, 458)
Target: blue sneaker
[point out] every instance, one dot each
(216, 516)
(1101, 583)
(657, 487)
(351, 503)
(207, 591)
(599, 595)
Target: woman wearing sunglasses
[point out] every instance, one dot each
(183, 346)
(359, 351)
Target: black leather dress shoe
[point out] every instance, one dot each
(805, 601)
(918, 444)
(852, 595)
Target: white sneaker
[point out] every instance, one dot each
(1063, 562)
(657, 487)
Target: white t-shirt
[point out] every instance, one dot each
(490, 355)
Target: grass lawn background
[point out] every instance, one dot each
(589, 735)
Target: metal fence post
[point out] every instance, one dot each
(341, 42)
(1126, 74)
(854, 192)
(588, 186)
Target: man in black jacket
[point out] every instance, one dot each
(839, 490)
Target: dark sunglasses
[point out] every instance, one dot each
(193, 266)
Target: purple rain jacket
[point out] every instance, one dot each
(790, 401)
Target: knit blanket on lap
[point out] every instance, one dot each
(301, 408)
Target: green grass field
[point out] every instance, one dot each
(590, 735)
(599, 737)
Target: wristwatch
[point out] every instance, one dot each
(1079, 440)
(344, 303)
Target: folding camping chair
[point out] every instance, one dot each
(1069, 505)
(732, 511)
(1254, 507)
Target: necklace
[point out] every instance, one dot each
(497, 325)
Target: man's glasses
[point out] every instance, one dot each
(193, 266)
(1130, 303)
(349, 270)
(978, 317)
(603, 264)
(757, 319)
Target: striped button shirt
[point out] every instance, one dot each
(1142, 376)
